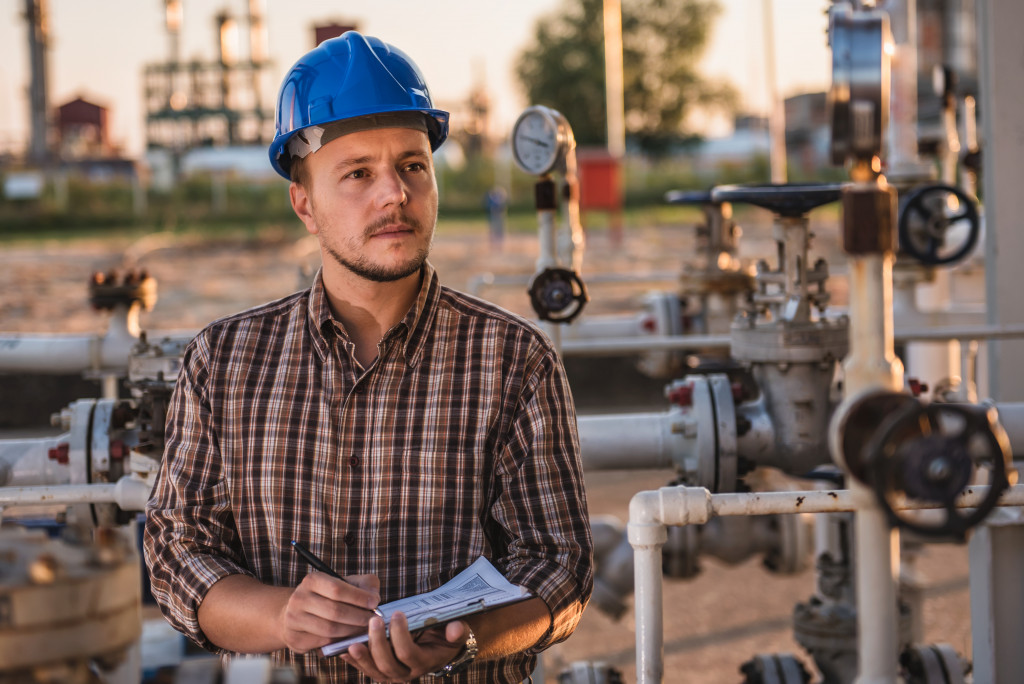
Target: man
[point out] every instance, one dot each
(396, 428)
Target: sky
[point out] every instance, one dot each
(99, 47)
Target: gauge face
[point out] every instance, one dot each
(537, 141)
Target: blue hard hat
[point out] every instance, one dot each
(346, 77)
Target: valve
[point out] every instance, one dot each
(774, 668)
(933, 453)
(927, 216)
(932, 664)
(107, 290)
(558, 295)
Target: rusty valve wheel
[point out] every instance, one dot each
(927, 217)
(933, 453)
(558, 295)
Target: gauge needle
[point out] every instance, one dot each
(538, 141)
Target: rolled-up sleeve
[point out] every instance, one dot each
(541, 502)
(190, 538)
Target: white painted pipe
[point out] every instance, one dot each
(26, 462)
(631, 345)
(650, 512)
(629, 441)
(872, 365)
(55, 354)
(604, 327)
(129, 493)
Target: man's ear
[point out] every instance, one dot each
(302, 205)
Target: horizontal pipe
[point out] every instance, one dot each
(624, 441)
(129, 493)
(51, 354)
(965, 332)
(628, 345)
(645, 343)
(478, 283)
(696, 505)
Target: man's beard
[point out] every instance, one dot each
(364, 268)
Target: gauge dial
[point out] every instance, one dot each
(540, 139)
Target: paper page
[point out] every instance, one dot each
(478, 587)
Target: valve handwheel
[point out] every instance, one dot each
(927, 216)
(933, 453)
(558, 295)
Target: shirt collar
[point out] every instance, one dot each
(415, 325)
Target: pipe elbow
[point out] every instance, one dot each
(650, 511)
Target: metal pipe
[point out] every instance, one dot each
(697, 505)
(630, 345)
(54, 354)
(650, 512)
(25, 462)
(872, 365)
(629, 441)
(130, 493)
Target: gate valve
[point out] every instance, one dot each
(926, 217)
(558, 295)
(932, 454)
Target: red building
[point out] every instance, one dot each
(82, 131)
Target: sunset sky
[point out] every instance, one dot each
(99, 48)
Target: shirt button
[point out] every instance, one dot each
(354, 461)
(350, 539)
(359, 389)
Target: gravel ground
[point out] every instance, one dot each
(712, 623)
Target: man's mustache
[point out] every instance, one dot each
(380, 224)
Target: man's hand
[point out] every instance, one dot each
(324, 609)
(403, 656)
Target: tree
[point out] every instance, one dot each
(662, 41)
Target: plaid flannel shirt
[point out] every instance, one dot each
(458, 441)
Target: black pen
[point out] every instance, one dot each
(320, 566)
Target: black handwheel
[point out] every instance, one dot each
(784, 199)
(932, 453)
(928, 214)
(558, 295)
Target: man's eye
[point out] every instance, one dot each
(358, 173)
(415, 166)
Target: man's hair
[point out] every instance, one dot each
(298, 172)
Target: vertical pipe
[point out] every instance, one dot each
(649, 622)
(615, 102)
(1002, 86)
(647, 535)
(548, 258)
(38, 100)
(776, 105)
(872, 364)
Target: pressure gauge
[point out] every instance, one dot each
(541, 138)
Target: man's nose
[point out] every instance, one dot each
(392, 189)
